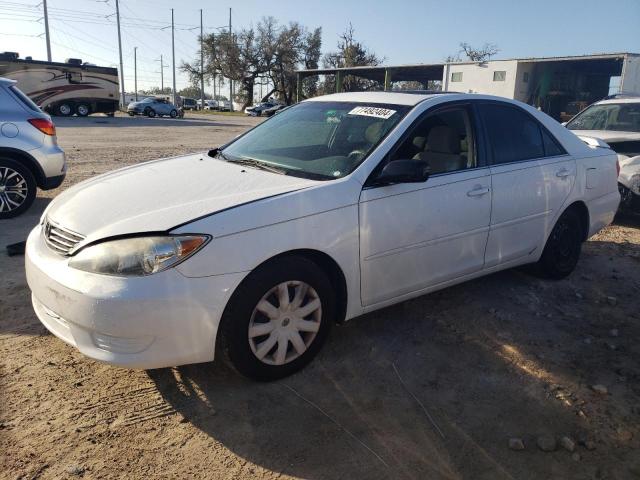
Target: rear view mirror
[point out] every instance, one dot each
(404, 171)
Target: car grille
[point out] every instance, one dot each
(60, 239)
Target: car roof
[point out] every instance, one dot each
(619, 100)
(395, 98)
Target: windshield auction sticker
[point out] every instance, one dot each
(373, 112)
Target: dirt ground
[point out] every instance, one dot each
(433, 388)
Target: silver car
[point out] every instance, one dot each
(153, 106)
(29, 153)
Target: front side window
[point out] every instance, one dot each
(443, 139)
(513, 135)
(622, 117)
(322, 140)
(456, 76)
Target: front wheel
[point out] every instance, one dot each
(278, 319)
(17, 188)
(151, 113)
(173, 113)
(562, 250)
(64, 109)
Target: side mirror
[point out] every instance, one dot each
(404, 171)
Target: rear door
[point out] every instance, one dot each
(531, 176)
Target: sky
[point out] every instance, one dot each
(401, 31)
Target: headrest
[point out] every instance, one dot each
(373, 132)
(419, 142)
(443, 139)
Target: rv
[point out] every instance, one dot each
(64, 88)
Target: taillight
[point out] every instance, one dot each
(45, 125)
(617, 167)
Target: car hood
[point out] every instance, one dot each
(609, 135)
(162, 194)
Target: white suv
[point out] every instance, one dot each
(616, 121)
(337, 206)
(29, 153)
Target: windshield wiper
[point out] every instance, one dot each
(250, 162)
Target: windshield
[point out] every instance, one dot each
(324, 140)
(621, 117)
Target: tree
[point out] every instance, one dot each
(473, 54)
(268, 50)
(350, 53)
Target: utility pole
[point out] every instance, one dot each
(162, 65)
(213, 41)
(230, 81)
(46, 29)
(201, 63)
(173, 57)
(122, 99)
(135, 71)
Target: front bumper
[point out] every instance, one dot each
(161, 320)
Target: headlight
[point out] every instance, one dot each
(137, 256)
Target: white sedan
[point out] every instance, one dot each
(337, 206)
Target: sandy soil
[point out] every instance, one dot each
(433, 388)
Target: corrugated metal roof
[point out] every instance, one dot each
(594, 56)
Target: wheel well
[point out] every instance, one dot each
(330, 267)
(583, 213)
(28, 161)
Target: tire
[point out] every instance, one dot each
(173, 113)
(131, 114)
(17, 188)
(151, 113)
(562, 250)
(242, 314)
(64, 109)
(83, 110)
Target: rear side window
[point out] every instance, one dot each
(551, 147)
(26, 101)
(515, 136)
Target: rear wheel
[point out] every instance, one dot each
(151, 113)
(83, 110)
(562, 250)
(64, 109)
(278, 319)
(17, 188)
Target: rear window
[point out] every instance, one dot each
(26, 101)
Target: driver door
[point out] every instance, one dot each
(414, 236)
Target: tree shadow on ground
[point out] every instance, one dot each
(430, 388)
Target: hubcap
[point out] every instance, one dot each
(13, 189)
(285, 322)
(65, 109)
(82, 110)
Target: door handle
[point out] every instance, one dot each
(478, 191)
(562, 173)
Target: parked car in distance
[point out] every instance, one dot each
(219, 105)
(337, 206)
(30, 157)
(152, 107)
(265, 108)
(189, 104)
(616, 121)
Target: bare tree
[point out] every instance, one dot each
(350, 53)
(269, 50)
(474, 54)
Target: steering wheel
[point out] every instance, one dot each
(355, 155)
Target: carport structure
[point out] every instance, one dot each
(422, 73)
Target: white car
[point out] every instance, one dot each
(338, 206)
(616, 121)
